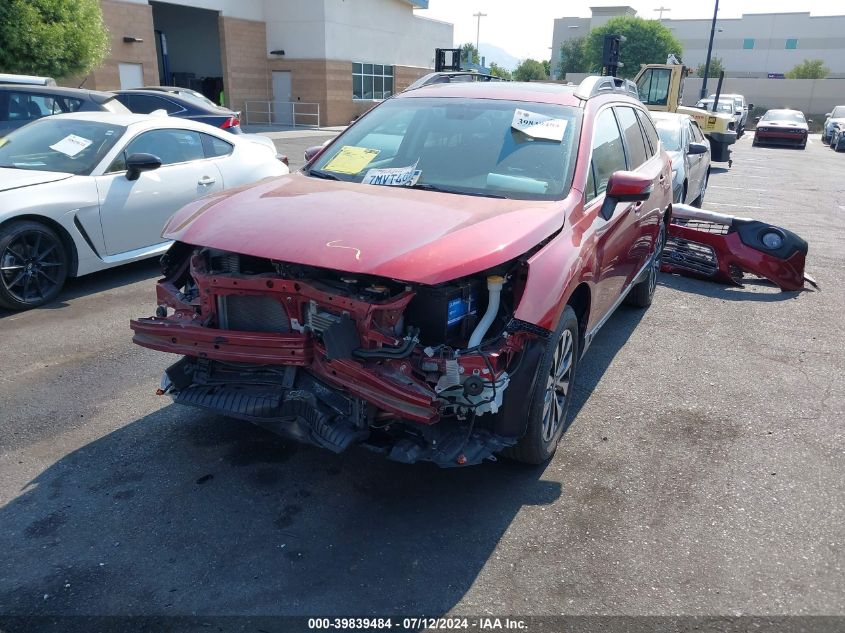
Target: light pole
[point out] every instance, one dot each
(478, 15)
(709, 52)
(661, 9)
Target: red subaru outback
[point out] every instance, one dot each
(426, 285)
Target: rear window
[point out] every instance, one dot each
(491, 147)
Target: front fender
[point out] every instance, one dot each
(553, 274)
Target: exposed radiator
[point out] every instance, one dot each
(252, 313)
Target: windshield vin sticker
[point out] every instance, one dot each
(393, 177)
(351, 160)
(71, 145)
(538, 125)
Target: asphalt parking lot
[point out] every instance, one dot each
(703, 474)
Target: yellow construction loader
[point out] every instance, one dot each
(661, 88)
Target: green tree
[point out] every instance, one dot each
(58, 38)
(573, 57)
(809, 69)
(498, 71)
(530, 70)
(647, 42)
(715, 68)
(469, 53)
(547, 67)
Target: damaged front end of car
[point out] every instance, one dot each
(417, 372)
(724, 248)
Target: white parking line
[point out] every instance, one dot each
(733, 188)
(726, 204)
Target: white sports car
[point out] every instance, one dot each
(87, 191)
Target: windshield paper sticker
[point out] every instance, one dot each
(538, 125)
(393, 177)
(351, 160)
(71, 145)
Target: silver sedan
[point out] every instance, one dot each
(87, 191)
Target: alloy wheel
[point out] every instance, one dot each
(557, 387)
(31, 266)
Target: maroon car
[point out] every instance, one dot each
(426, 286)
(782, 127)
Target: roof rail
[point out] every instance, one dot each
(595, 85)
(454, 76)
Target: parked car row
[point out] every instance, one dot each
(24, 99)
(833, 131)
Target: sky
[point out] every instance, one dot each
(524, 29)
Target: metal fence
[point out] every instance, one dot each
(282, 113)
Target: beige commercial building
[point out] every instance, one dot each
(754, 45)
(279, 60)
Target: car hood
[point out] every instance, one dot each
(412, 235)
(782, 123)
(16, 178)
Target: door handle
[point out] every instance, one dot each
(206, 180)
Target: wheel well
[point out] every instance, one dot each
(64, 236)
(579, 300)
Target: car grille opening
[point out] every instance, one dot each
(703, 225)
(692, 256)
(252, 313)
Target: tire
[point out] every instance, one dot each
(825, 139)
(642, 294)
(754, 142)
(33, 265)
(548, 405)
(699, 201)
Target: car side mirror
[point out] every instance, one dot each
(827, 115)
(312, 152)
(137, 163)
(757, 118)
(809, 120)
(625, 186)
(698, 148)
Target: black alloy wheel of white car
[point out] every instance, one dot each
(33, 265)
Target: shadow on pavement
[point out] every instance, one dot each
(176, 514)
(102, 281)
(753, 289)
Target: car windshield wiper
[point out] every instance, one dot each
(322, 174)
(425, 186)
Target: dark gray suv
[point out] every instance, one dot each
(20, 104)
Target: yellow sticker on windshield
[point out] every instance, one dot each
(3, 142)
(351, 160)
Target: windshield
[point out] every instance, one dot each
(670, 134)
(838, 111)
(54, 144)
(784, 115)
(509, 149)
(724, 106)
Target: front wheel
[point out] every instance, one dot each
(548, 405)
(33, 265)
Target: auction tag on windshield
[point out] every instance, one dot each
(351, 160)
(393, 176)
(538, 125)
(71, 145)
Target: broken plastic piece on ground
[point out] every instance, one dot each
(719, 247)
